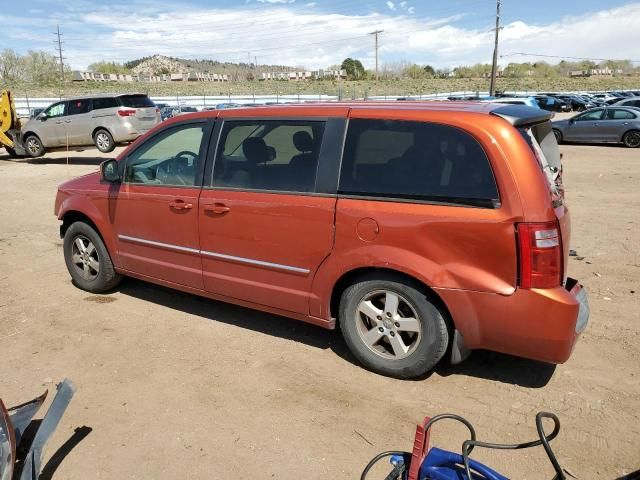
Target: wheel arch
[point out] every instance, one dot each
(352, 276)
(101, 127)
(629, 131)
(72, 215)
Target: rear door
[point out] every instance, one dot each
(146, 113)
(583, 128)
(78, 122)
(267, 210)
(615, 123)
(155, 215)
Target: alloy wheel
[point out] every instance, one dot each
(632, 139)
(388, 324)
(103, 141)
(84, 257)
(33, 145)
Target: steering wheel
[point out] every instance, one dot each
(185, 153)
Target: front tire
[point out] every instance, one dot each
(391, 326)
(631, 139)
(88, 260)
(33, 145)
(104, 141)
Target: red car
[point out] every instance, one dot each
(423, 230)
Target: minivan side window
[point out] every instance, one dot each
(107, 102)
(271, 155)
(78, 106)
(56, 110)
(170, 158)
(416, 161)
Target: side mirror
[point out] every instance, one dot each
(109, 171)
(42, 116)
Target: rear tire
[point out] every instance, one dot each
(33, 145)
(631, 139)
(88, 260)
(391, 327)
(104, 141)
(558, 135)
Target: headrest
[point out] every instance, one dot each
(255, 150)
(303, 141)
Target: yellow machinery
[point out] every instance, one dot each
(9, 126)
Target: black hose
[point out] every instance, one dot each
(468, 445)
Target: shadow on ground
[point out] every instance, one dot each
(57, 458)
(48, 160)
(486, 365)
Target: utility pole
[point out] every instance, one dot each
(59, 41)
(376, 33)
(494, 65)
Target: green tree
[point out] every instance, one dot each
(414, 71)
(11, 69)
(354, 68)
(109, 67)
(429, 71)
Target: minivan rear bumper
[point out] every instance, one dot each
(540, 324)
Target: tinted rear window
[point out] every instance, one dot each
(416, 160)
(107, 102)
(136, 101)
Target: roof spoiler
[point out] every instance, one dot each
(521, 115)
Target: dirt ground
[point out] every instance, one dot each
(171, 385)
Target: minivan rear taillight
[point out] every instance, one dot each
(540, 255)
(126, 113)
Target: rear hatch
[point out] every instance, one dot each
(543, 143)
(535, 126)
(144, 114)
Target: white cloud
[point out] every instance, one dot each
(391, 5)
(276, 1)
(310, 4)
(289, 34)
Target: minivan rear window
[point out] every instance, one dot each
(106, 102)
(136, 101)
(545, 146)
(416, 161)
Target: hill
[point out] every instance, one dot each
(159, 64)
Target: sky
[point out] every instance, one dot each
(319, 33)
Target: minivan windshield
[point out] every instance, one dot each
(136, 101)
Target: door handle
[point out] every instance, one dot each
(180, 205)
(217, 208)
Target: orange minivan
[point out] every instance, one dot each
(422, 230)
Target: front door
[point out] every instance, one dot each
(156, 214)
(265, 223)
(52, 130)
(584, 127)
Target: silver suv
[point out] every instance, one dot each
(103, 120)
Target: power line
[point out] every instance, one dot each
(566, 57)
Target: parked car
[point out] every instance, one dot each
(551, 104)
(421, 228)
(528, 101)
(166, 112)
(611, 124)
(103, 120)
(577, 104)
(628, 102)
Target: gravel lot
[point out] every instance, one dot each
(170, 383)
